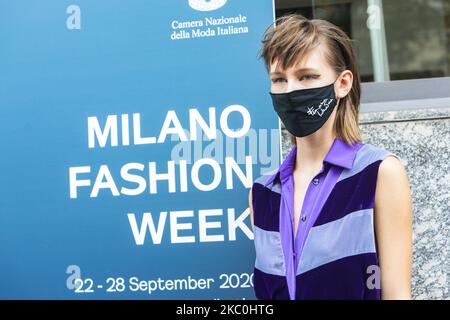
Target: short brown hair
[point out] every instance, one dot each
(293, 36)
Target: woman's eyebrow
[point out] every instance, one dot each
(299, 70)
(276, 73)
(306, 70)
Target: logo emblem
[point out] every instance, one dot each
(320, 109)
(206, 5)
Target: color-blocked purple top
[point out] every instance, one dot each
(333, 255)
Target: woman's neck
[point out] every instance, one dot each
(311, 150)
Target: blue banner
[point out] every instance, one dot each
(131, 132)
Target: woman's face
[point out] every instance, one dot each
(311, 72)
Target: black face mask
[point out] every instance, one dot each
(305, 111)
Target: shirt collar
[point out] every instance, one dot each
(340, 154)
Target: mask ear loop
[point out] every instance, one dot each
(337, 77)
(338, 100)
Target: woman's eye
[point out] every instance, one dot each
(277, 80)
(309, 77)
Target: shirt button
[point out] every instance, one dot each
(303, 218)
(316, 181)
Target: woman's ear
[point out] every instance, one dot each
(344, 84)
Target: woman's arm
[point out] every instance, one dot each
(250, 206)
(393, 229)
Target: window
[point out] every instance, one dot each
(394, 40)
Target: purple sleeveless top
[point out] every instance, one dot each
(333, 255)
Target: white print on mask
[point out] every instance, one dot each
(320, 110)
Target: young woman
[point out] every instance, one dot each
(334, 221)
